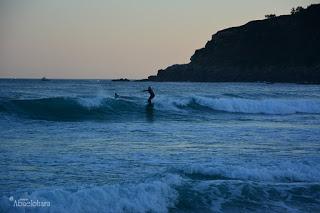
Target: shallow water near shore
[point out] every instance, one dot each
(202, 147)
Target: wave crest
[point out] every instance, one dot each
(101, 108)
(285, 172)
(241, 105)
(65, 108)
(153, 196)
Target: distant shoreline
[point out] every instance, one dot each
(144, 80)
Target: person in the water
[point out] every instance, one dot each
(151, 92)
(116, 95)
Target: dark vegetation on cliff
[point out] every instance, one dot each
(277, 49)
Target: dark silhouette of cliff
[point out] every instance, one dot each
(277, 49)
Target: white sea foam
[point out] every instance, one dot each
(154, 196)
(234, 188)
(283, 172)
(171, 103)
(228, 104)
(241, 105)
(237, 196)
(265, 106)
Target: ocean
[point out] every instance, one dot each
(70, 146)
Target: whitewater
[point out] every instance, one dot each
(202, 147)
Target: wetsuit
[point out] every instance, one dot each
(151, 95)
(150, 91)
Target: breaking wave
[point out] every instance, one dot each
(253, 188)
(101, 108)
(175, 193)
(250, 106)
(286, 172)
(264, 106)
(65, 108)
(152, 196)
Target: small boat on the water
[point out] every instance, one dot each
(44, 79)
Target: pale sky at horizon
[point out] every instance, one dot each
(107, 39)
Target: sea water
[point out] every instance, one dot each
(70, 146)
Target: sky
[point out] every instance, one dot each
(106, 39)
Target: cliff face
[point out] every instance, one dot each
(280, 49)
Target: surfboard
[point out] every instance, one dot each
(150, 105)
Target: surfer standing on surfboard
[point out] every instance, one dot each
(150, 91)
